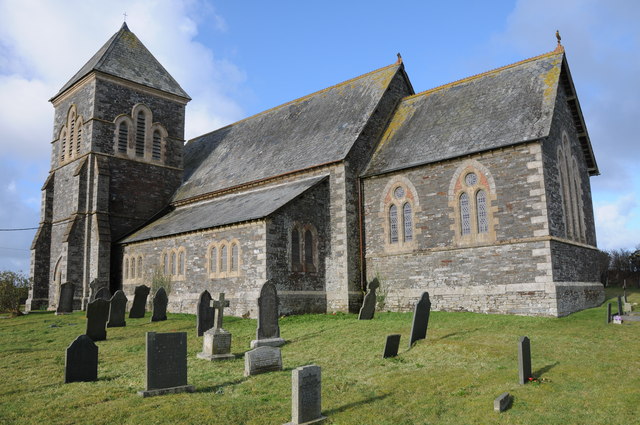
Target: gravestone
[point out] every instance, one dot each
(620, 309)
(140, 295)
(81, 361)
(65, 301)
(93, 288)
(261, 360)
(502, 403)
(160, 301)
(166, 364)
(97, 316)
(306, 395)
(369, 304)
(420, 319)
(524, 360)
(117, 310)
(268, 332)
(216, 345)
(609, 313)
(391, 346)
(103, 293)
(204, 313)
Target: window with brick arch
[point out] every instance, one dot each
(141, 122)
(470, 196)
(399, 203)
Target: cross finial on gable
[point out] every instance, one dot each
(125, 16)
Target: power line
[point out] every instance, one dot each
(14, 249)
(17, 230)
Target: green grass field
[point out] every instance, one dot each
(590, 372)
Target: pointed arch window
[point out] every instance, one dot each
(295, 250)
(139, 267)
(481, 211)
(132, 272)
(408, 222)
(470, 195)
(223, 258)
(308, 248)
(63, 145)
(465, 214)
(156, 152)
(126, 268)
(398, 204)
(234, 258)
(141, 122)
(174, 265)
(123, 137)
(213, 260)
(393, 223)
(181, 262)
(571, 192)
(304, 256)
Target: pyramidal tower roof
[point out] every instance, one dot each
(124, 56)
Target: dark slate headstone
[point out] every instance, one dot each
(65, 302)
(166, 364)
(160, 301)
(103, 293)
(117, 310)
(81, 361)
(620, 309)
(369, 304)
(306, 395)
(420, 319)
(524, 360)
(204, 314)
(268, 332)
(97, 316)
(391, 346)
(262, 360)
(502, 403)
(140, 295)
(609, 313)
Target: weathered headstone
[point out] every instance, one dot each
(216, 345)
(609, 313)
(268, 332)
(160, 301)
(65, 301)
(369, 304)
(117, 310)
(204, 314)
(166, 364)
(97, 316)
(140, 295)
(81, 361)
(261, 360)
(502, 403)
(620, 308)
(306, 395)
(524, 360)
(391, 346)
(93, 288)
(420, 319)
(103, 293)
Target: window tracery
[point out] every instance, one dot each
(399, 206)
(137, 136)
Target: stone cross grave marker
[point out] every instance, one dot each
(620, 309)
(81, 361)
(97, 316)
(420, 319)
(160, 301)
(166, 364)
(103, 293)
(117, 310)
(524, 360)
(306, 395)
(204, 314)
(268, 332)
(140, 295)
(220, 305)
(261, 360)
(65, 301)
(502, 403)
(391, 346)
(217, 342)
(369, 304)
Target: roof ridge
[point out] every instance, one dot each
(299, 99)
(558, 50)
(112, 42)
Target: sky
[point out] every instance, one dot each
(236, 59)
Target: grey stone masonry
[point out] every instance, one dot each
(306, 395)
(81, 361)
(262, 360)
(166, 364)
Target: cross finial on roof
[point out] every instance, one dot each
(399, 58)
(558, 37)
(125, 16)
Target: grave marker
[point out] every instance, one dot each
(391, 346)
(620, 309)
(97, 316)
(117, 310)
(306, 395)
(368, 308)
(81, 361)
(217, 342)
(268, 332)
(502, 403)
(103, 293)
(65, 301)
(160, 301)
(261, 360)
(166, 364)
(204, 314)
(220, 305)
(524, 360)
(140, 295)
(420, 319)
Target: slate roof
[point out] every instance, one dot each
(509, 105)
(235, 208)
(314, 130)
(124, 56)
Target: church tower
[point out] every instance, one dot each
(116, 160)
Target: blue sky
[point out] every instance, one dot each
(236, 59)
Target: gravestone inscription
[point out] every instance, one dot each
(306, 395)
(524, 360)
(391, 346)
(117, 310)
(261, 360)
(103, 293)
(204, 313)
(81, 361)
(97, 316)
(368, 308)
(420, 319)
(216, 345)
(166, 364)
(65, 301)
(160, 301)
(268, 332)
(140, 295)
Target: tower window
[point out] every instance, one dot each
(140, 132)
(156, 152)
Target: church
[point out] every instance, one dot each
(476, 191)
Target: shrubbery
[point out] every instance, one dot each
(14, 290)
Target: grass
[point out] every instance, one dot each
(590, 371)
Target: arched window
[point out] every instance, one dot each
(72, 134)
(140, 133)
(213, 260)
(295, 250)
(571, 192)
(132, 264)
(465, 214)
(63, 145)
(308, 248)
(408, 222)
(174, 265)
(481, 212)
(79, 138)
(223, 258)
(234, 257)
(156, 152)
(393, 223)
(140, 266)
(123, 137)
(126, 268)
(164, 262)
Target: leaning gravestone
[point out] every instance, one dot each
(306, 395)
(420, 319)
(620, 309)
(117, 310)
(369, 304)
(166, 364)
(97, 316)
(217, 341)
(268, 332)
(140, 295)
(204, 314)
(81, 361)
(160, 301)
(524, 360)
(103, 293)
(502, 403)
(391, 346)
(65, 302)
(261, 360)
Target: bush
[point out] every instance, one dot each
(14, 290)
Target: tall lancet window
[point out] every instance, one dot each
(408, 222)
(140, 133)
(465, 214)
(393, 223)
(481, 211)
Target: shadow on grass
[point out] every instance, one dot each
(219, 387)
(354, 404)
(457, 333)
(538, 373)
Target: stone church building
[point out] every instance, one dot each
(476, 191)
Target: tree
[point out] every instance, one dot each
(14, 290)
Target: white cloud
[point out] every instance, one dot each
(618, 223)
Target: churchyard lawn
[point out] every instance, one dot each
(589, 372)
